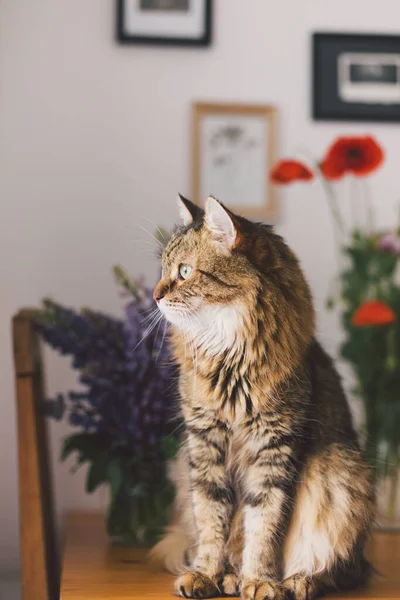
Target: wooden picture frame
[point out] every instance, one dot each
(233, 151)
(165, 35)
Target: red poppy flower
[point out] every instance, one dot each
(373, 312)
(287, 171)
(358, 155)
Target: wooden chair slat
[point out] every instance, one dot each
(39, 557)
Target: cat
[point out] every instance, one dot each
(273, 498)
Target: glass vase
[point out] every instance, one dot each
(388, 502)
(139, 512)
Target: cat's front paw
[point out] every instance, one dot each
(230, 585)
(196, 585)
(300, 587)
(267, 589)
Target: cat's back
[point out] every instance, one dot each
(329, 405)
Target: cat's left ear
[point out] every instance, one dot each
(188, 211)
(220, 224)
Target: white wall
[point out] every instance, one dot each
(94, 136)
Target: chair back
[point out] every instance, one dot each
(39, 556)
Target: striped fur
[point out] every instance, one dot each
(273, 495)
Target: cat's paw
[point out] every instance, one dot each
(267, 589)
(196, 585)
(300, 587)
(230, 585)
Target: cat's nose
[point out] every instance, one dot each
(158, 295)
(159, 291)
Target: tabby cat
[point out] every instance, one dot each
(273, 496)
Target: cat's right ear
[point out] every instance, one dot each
(188, 211)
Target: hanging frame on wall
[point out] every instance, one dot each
(233, 150)
(166, 22)
(356, 77)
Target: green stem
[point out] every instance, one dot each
(353, 201)
(368, 207)
(332, 201)
(371, 451)
(393, 489)
(371, 444)
(338, 228)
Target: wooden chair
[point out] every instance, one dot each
(39, 558)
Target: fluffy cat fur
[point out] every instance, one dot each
(273, 496)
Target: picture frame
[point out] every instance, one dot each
(356, 77)
(233, 151)
(165, 22)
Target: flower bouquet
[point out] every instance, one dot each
(369, 302)
(124, 410)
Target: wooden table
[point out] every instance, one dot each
(93, 568)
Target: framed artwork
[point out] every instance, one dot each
(356, 77)
(170, 22)
(234, 148)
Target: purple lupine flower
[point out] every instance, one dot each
(128, 382)
(389, 243)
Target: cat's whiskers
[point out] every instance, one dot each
(152, 314)
(185, 330)
(158, 228)
(188, 337)
(184, 340)
(192, 314)
(150, 309)
(150, 234)
(156, 334)
(156, 319)
(162, 340)
(204, 337)
(153, 324)
(194, 353)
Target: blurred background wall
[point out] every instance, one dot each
(94, 139)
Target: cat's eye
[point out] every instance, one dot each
(185, 271)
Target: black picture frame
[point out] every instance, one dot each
(327, 98)
(204, 40)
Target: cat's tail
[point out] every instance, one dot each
(176, 549)
(359, 574)
(172, 551)
(349, 574)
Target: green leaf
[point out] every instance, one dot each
(123, 279)
(170, 447)
(330, 303)
(119, 515)
(79, 442)
(115, 475)
(79, 462)
(97, 473)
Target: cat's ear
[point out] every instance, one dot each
(188, 211)
(220, 224)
